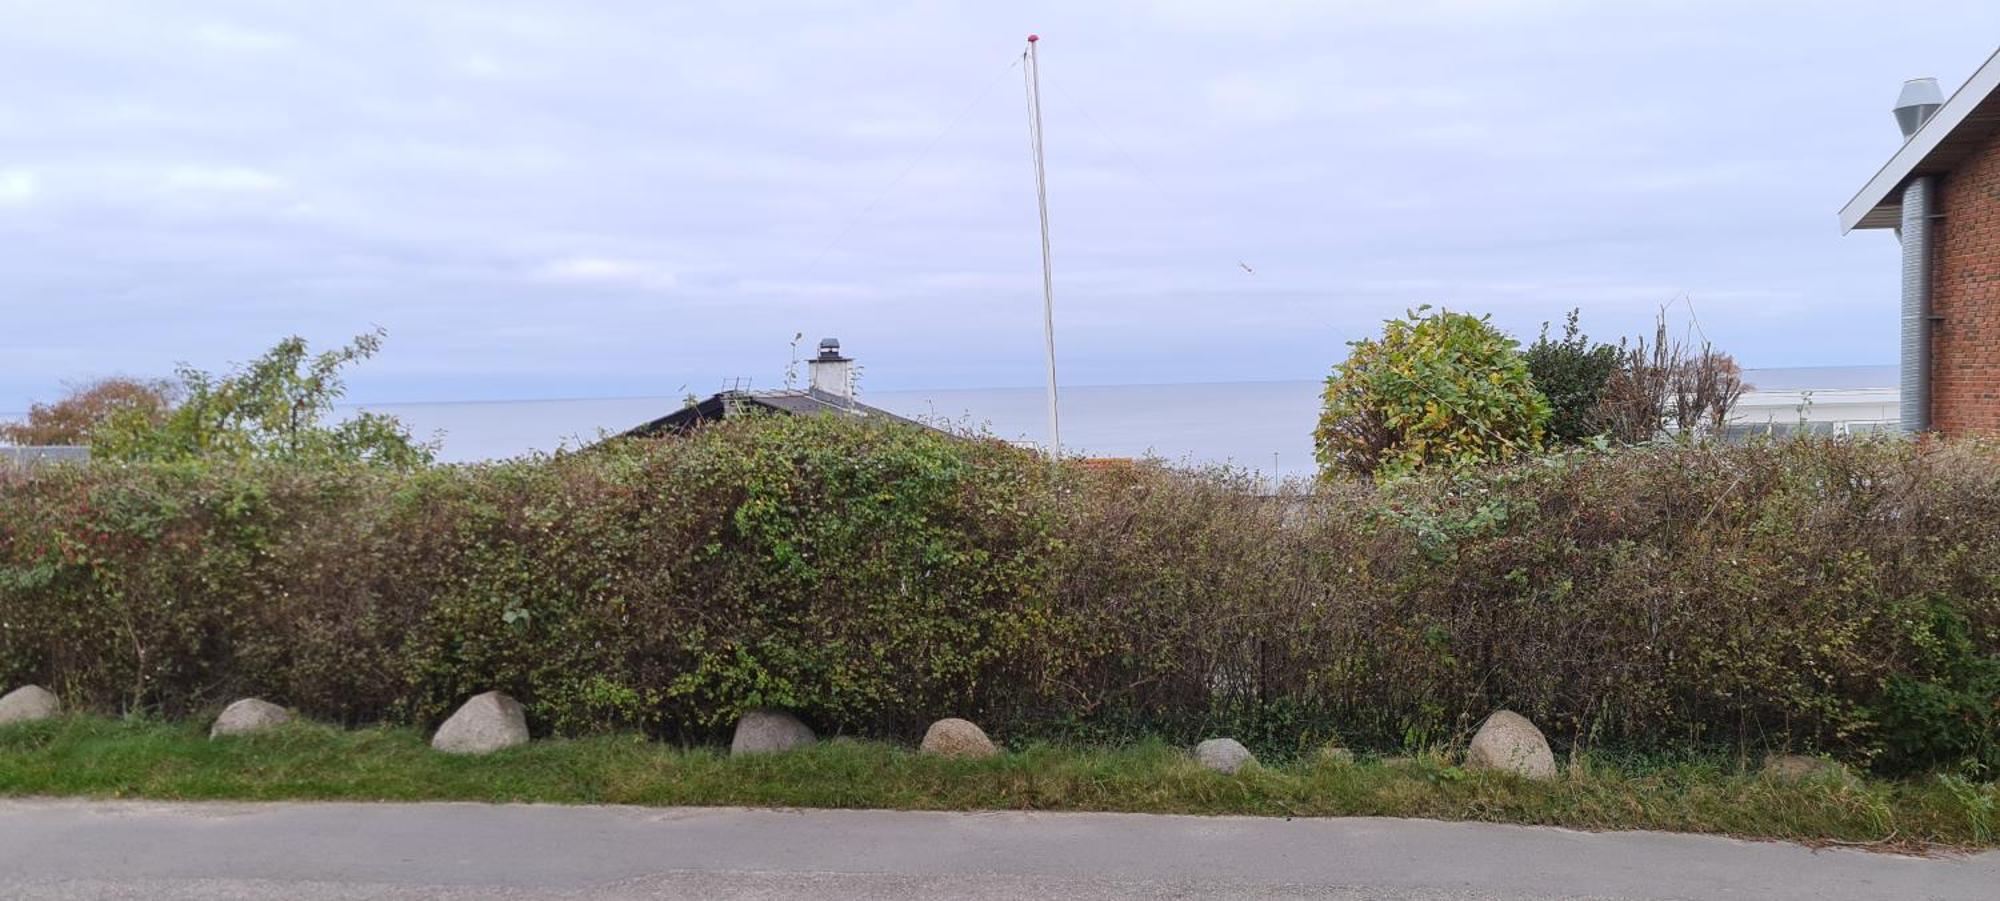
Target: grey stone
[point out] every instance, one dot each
(1223, 755)
(485, 724)
(1799, 768)
(1508, 743)
(953, 737)
(769, 731)
(247, 716)
(28, 703)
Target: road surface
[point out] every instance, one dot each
(93, 849)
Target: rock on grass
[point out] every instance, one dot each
(953, 737)
(1223, 755)
(485, 724)
(247, 716)
(28, 703)
(769, 732)
(1508, 743)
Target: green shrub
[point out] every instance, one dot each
(1841, 596)
(859, 574)
(1438, 387)
(273, 407)
(1950, 714)
(1571, 372)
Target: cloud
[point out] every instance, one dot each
(222, 180)
(641, 274)
(587, 177)
(1259, 99)
(480, 65)
(811, 290)
(230, 36)
(18, 187)
(1269, 18)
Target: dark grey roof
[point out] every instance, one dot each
(792, 402)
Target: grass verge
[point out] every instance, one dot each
(97, 757)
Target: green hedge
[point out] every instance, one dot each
(1843, 595)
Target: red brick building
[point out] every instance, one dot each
(1941, 193)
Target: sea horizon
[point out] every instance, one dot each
(1262, 425)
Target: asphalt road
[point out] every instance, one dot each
(85, 849)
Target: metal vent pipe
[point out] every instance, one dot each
(1919, 100)
(1915, 395)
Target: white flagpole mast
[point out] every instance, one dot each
(1048, 272)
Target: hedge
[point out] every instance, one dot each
(1838, 595)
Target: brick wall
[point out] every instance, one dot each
(1965, 367)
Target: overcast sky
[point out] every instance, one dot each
(591, 199)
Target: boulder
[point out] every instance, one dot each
(1799, 768)
(248, 715)
(1508, 743)
(768, 732)
(953, 737)
(1223, 755)
(27, 703)
(485, 724)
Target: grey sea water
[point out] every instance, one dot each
(1264, 426)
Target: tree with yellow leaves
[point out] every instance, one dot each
(1436, 388)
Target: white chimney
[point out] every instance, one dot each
(832, 373)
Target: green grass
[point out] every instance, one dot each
(105, 758)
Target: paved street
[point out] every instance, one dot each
(83, 849)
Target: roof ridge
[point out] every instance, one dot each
(1870, 205)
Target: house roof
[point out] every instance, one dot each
(1961, 126)
(795, 402)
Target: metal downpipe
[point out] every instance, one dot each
(1915, 398)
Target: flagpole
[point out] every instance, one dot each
(1048, 270)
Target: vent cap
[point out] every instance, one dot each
(1919, 101)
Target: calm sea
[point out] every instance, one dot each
(1265, 426)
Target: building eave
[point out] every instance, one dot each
(1966, 121)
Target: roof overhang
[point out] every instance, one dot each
(1965, 122)
(793, 402)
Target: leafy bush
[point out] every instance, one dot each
(1571, 372)
(1436, 388)
(272, 408)
(1837, 595)
(85, 407)
(1949, 712)
(857, 573)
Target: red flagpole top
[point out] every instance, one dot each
(1033, 38)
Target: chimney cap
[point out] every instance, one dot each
(829, 350)
(1920, 92)
(1920, 98)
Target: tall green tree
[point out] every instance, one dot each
(276, 406)
(1437, 387)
